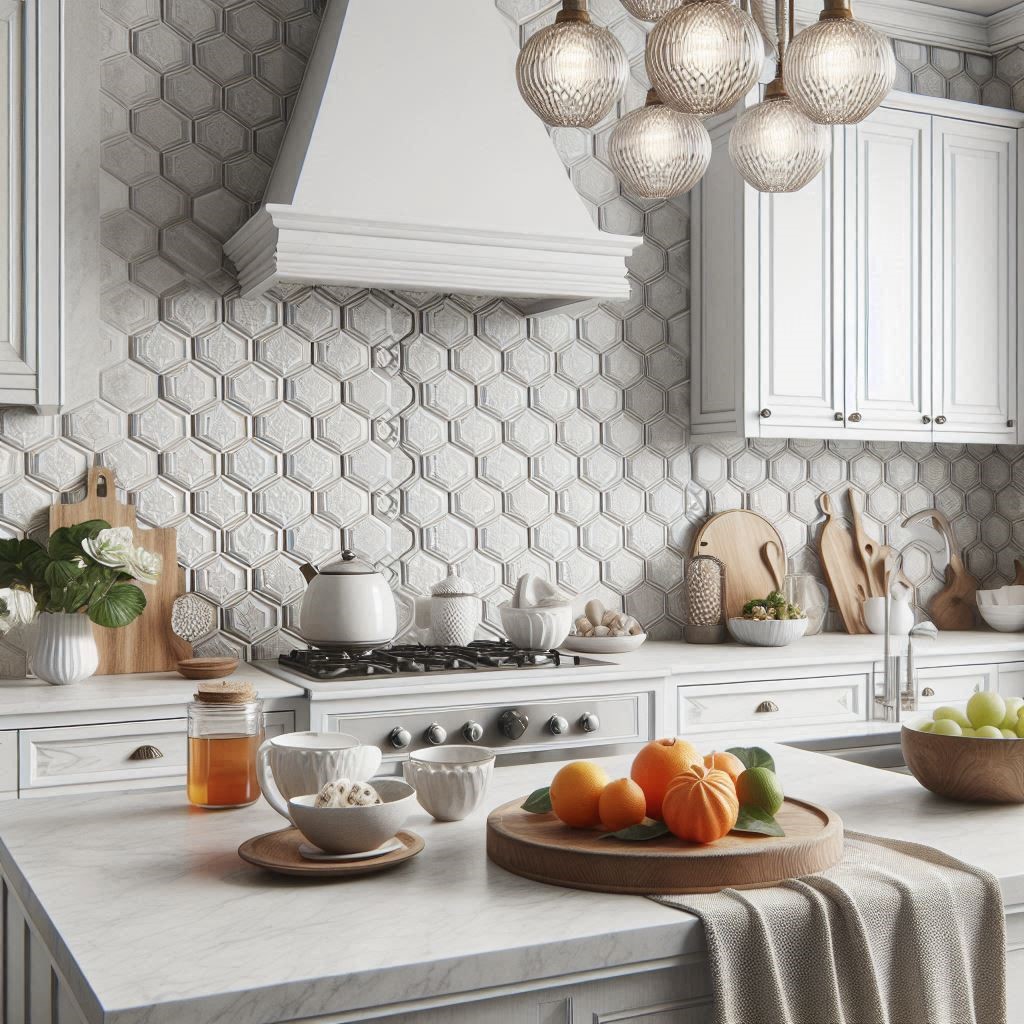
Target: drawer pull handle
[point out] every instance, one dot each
(927, 692)
(766, 706)
(147, 752)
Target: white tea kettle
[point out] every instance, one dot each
(347, 606)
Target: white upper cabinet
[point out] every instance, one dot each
(877, 303)
(888, 232)
(975, 274)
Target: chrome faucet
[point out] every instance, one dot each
(897, 696)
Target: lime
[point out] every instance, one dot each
(759, 787)
(954, 715)
(986, 708)
(1013, 708)
(947, 727)
(989, 732)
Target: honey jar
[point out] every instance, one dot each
(225, 729)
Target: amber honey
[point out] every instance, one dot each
(222, 770)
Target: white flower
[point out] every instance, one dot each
(21, 608)
(144, 565)
(112, 547)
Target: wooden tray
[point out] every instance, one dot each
(279, 852)
(540, 847)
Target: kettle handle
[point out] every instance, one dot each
(308, 571)
(266, 780)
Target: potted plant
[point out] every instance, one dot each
(84, 575)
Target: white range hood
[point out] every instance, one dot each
(411, 162)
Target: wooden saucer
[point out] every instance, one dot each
(206, 668)
(279, 851)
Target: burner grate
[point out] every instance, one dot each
(414, 658)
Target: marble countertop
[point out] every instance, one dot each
(154, 919)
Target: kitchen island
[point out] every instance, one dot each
(135, 909)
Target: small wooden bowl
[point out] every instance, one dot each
(206, 668)
(965, 768)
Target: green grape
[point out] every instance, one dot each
(989, 732)
(971, 732)
(954, 715)
(986, 708)
(1008, 734)
(946, 727)
(926, 726)
(1013, 709)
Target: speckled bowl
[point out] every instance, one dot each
(450, 781)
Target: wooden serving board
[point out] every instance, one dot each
(540, 847)
(752, 552)
(844, 569)
(956, 605)
(147, 644)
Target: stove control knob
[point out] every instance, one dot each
(399, 737)
(513, 723)
(589, 722)
(557, 725)
(473, 732)
(435, 734)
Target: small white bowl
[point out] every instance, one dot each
(766, 632)
(450, 781)
(1002, 597)
(355, 829)
(536, 629)
(1007, 618)
(603, 644)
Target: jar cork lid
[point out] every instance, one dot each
(226, 692)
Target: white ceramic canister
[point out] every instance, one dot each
(455, 611)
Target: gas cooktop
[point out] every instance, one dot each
(410, 659)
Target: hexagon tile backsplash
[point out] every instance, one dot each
(419, 429)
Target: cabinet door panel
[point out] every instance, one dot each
(975, 274)
(801, 336)
(888, 345)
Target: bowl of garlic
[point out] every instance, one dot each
(601, 630)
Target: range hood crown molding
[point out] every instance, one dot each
(411, 162)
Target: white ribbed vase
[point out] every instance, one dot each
(65, 650)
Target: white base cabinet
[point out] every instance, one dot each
(880, 302)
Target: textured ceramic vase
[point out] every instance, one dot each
(65, 650)
(455, 611)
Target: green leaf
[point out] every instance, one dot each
(60, 573)
(539, 801)
(119, 606)
(66, 543)
(753, 757)
(753, 819)
(639, 833)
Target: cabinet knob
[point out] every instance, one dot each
(399, 737)
(927, 692)
(513, 723)
(765, 413)
(435, 733)
(926, 419)
(839, 417)
(767, 706)
(940, 420)
(589, 722)
(147, 752)
(557, 725)
(855, 417)
(1009, 423)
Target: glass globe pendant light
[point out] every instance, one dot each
(704, 56)
(774, 146)
(649, 10)
(839, 69)
(657, 152)
(572, 72)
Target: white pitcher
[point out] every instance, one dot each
(299, 763)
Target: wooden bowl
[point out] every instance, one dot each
(206, 668)
(965, 768)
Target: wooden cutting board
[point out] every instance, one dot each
(752, 552)
(540, 847)
(147, 644)
(956, 605)
(844, 569)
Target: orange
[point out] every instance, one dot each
(725, 762)
(701, 805)
(622, 804)
(657, 764)
(576, 793)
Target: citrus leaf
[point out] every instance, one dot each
(539, 801)
(753, 757)
(119, 606)
(638, 833)
(753, 819)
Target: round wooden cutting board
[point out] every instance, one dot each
(540, 847)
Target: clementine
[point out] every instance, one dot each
(701, 805)
(657, 764)
(622, 804)
(725, 762)
(576, 793)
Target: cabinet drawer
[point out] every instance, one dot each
(98, 756)
(768, 704)
(953, 685)
(1011, 680)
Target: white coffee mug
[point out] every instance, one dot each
(299, 763)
